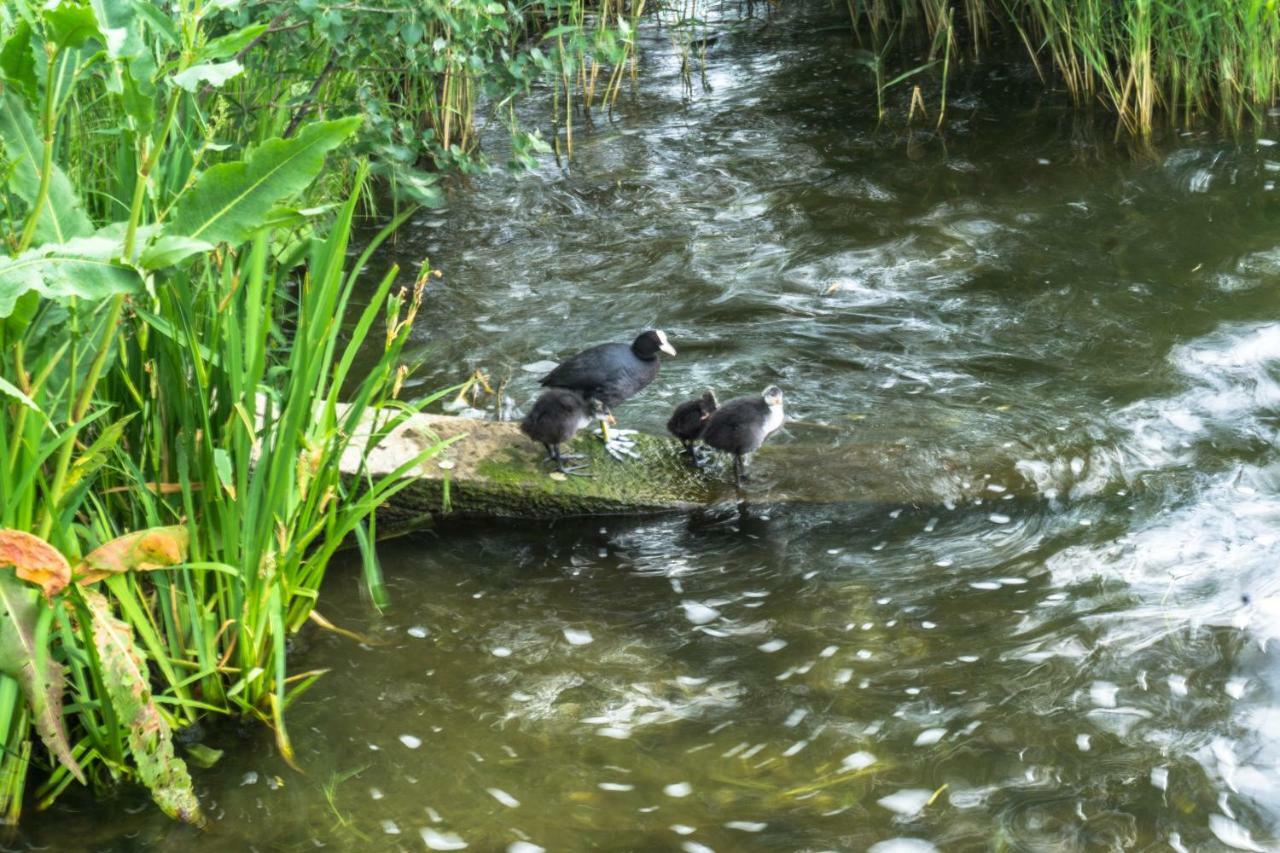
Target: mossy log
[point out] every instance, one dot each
(489, 469)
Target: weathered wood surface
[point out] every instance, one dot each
(492, 470)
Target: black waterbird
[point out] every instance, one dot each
(690, 418)
(554, 419)
(740, 426)
(611, 373)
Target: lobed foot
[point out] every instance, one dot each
(621, 450)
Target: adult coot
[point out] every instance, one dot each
(740, 426)
(612, 373)
(554, 418)
(689, 419)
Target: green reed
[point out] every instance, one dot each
(1145, 61)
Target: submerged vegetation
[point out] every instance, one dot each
(177, 325)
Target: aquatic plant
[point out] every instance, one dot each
(1144, 61)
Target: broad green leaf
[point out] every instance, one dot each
(63, 216)
(133, 64)
(150, 739)
(70, 24)
(80, 268)
(18, 62)
(167, 251)
(161, 24)
(230, 44)
(230, 201)
(212, 73)
(39, 675)
(116, 20)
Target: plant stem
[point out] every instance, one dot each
(78, 412)
(46, 163)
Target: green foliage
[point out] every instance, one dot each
(231, 200)
(159, 372)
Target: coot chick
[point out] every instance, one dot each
(690, 418)
(554, 418)
(612, 373)
(740, 426)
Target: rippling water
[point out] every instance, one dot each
(1091, 665)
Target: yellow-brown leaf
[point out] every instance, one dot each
(35, 560)
(155, 548)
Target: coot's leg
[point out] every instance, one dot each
(738, 469)
(618, 443)
(573, 472)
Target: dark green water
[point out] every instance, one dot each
(1091, 668)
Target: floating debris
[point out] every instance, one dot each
(902, 845)
(417, 631)
(772, 646)
(615, 786)
(389, 827)
(576, 637)
(929, 737)
(411, 741)
(503, 797)
(699, 613)
(859, 760)
(746, 825)
(678, 789)
(525, 847)
(442, 840)
(1103, 694)
(501, 652)
(908, 802)
(1233, 834)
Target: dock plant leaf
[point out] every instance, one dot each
(230, 201)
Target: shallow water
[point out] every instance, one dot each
(1089, 666)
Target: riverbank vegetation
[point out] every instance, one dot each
(177, 322)
(1145, 62)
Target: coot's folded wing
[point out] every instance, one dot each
(583, 371)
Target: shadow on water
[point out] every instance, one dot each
(1083, 660)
